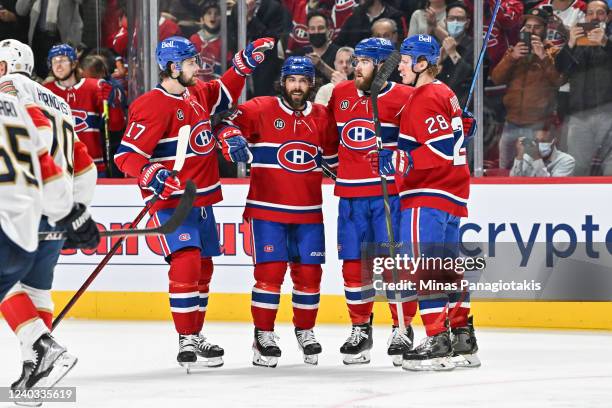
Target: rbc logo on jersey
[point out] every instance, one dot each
(80, 120)
(201, 140)
(358, 134)
(297, 157)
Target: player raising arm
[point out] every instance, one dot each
(286, 136)
(433, 177)
(148, 151)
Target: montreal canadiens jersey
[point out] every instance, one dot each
(56, 127)
(432, 132)
(287, 147)
(86, 105)
(298, 37)
(30, 181)
(352, 124)
(152, 134)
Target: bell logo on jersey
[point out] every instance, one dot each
(201, 140)
(358, 134)
(80, 120)
(297, 157)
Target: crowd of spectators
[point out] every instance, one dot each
(548, 66)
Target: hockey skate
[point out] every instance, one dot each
(357, 347)
(465, 346)
(195, 352)
(51, 365)
(308, 345)
(433, 354)
(20, 384)
(265, 350)
(399, 343)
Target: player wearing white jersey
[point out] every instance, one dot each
(31, 185)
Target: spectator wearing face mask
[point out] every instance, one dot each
(321, 50)
(539, 157)
(587, 61)
(208, 42)
(457, 51)
(528, 70)
(343, 70)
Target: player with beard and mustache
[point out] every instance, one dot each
(86, 97)
(148, 152)
(361, 214)
(286, 143)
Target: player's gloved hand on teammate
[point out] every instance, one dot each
(104, 90)
(81, 229)
(388, 162)
(469, 125)
(159, 179)
(234, 146)
(247, 60)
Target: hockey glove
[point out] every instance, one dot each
(469, 125)
(158, 179)
(234, 145)
(388, 162)
(81, 229)
(247, 60)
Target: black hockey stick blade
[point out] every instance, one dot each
(383, 74)
(180, 213)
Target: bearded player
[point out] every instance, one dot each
(286, 143)
(148, 151)
(361, 212)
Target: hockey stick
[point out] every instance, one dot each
(329, 172)
(482, 53)
(378, 83)
(451, 312)
(105, 118)
(181, 152)
(180, 213)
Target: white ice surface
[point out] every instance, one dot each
(132, 364)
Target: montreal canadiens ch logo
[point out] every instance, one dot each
(201, 140)
(297, 157)
(80, 120)
(300, 31)
(358, 134)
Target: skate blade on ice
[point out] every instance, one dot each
(359, 358)
(264, 361)
(61, 367)
(312, 359)
(202, 364)
(397, 360)
(466, 360)
(434, 364)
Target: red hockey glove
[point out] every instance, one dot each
(469, 125)
(247, 60)
(234, 146)
(158, 179)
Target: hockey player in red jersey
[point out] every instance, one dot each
(361, 214)
(148, 151)
(52, 119)
(433, 178)
(286, 138)
(86, 98)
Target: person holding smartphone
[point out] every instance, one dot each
(586, 60)
(528, 70)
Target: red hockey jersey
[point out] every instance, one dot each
(431, 131)
(86, 102)
(351, 115)
(287, 148)
(298, 9)
(152, 133)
